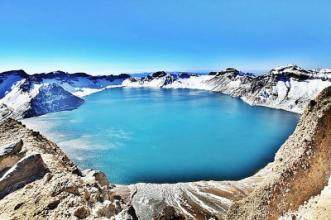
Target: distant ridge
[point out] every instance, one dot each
(287, 87)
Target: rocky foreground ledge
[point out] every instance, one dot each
(37, 180)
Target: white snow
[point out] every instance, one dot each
(7, 83)
(83, 86)
(17, 99)
(234, 84)
(308, 89)
(81, 92)
(194, 82)
(324, 73)
(281, 88)
(155, 83)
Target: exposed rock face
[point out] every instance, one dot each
(289, 88)
(10, 149)
(301, 169)
(82, 212)
(168, 213)
(127, 214)
(95, 176)
(43, 183)
(52, 98)
(5, 112)
(317, 207)
(9, 155)
(23, 172)
(78, 78)
(159, 74)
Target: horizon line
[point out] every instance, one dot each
(248, 70)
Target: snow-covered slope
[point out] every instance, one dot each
(52, 98)
(26, 99)
(170, 80)
(79, 84)
(19, 96)
(289, 88)
(7, 79)
(23, 95)
(5, 112)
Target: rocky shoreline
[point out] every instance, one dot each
(52, 187)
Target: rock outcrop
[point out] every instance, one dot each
(23, 172)
(301, 168)
(5, 112)
(10, 149)
(9, 155)
(39, 181)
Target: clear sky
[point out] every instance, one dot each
(108, 36)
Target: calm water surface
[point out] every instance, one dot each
(160, 135)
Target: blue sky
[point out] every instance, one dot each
(107, 36)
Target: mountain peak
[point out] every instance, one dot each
(289, 67)
(19, 72)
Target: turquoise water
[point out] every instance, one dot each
(160, 135)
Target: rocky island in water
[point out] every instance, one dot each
(39, 181)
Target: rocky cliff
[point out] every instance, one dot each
(300, 171)
(37, 180)
(289, 88)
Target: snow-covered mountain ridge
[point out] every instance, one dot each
(289, 88)
(23, 95)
